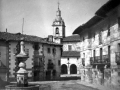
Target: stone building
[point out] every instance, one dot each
(35, 47)
(52, 56)
(100, 45)
(70, 55)
(69, 58)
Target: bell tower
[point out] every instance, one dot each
(58, 27)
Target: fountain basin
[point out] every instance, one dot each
(30, 87)
(14, 87)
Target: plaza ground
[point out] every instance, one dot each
(70, 85)
(75, 85)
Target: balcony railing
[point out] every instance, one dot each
(97, 60)
(117, 55)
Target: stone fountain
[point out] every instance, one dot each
(22, 74)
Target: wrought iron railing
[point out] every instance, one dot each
(100, 60)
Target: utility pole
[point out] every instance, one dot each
(22, 25)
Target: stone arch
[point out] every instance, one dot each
(73, 69)
(64, 69)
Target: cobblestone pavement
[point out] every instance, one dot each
(75, 85)
(66, 85)
(70, 85)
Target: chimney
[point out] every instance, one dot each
(6, 29)
(50, 38)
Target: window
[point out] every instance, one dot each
(36, 46)
(57, 30)
(38, 62)
(108, 32)
(83, 61)
(69, 47)
(14, 51)
(100, 37)
(59, 62)
(68, 59)
(48, 50)
(50, 64)
(94, 53)
(49, 60)
(100, 53)
(54, 51)
(83, 38)
(83, 55)
(109, 52)
(27, 51)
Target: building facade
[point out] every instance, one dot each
(70, 56)
(35, 49)
(100, 45)
(52, 61)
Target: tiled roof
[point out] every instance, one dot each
(99, 15)
(72, 38)
(94, 20)
(70, 54)
(18, 36)
(29, 38)
(107, 7)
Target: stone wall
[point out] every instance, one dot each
(109, 77)
(99, 37)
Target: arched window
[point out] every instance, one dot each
(57, 30)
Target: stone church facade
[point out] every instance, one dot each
(100, 46)
(69, 58)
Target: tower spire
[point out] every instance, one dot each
(58, 4)
(58, 11)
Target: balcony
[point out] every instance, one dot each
(117, 56)
(97, 60)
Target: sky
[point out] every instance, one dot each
(39, 15)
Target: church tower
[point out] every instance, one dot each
(58, 27)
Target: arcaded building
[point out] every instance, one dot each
(100, 45)
(70, 56)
